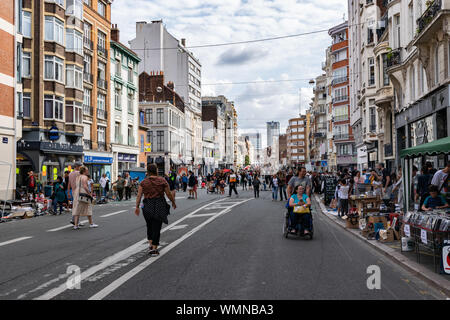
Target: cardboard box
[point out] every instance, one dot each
(377, 219)
(352, 223)
(386, 235)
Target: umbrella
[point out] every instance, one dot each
(226, 170)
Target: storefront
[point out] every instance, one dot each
(125, 161)
(98, 164)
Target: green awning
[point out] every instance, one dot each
(436, 147)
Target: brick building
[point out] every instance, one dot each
(296, 141)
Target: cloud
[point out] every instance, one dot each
(236, 56)
(216, 21)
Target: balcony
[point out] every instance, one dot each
(339, 99)
(319, 135)
(88, 77)
(322, 126)
(388, 152)
(102, 114)
(394, 58)
(88, 110)
(102, 51)
(428, 15)
(342, 136)
(88, 44)
(336, 81)
(101, 83)
(87, 144)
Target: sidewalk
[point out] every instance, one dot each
(407, 260)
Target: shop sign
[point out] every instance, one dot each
(125, 157)
(5, 140)
(407, 230)
(53, 133)
(148, 147)
(101, 160)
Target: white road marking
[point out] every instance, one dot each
(181, 226)
(204, 215)
(127, 276)
(66, 226)
(119, 256)
(112, 214)
(14, 240)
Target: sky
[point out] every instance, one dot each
(218, 21)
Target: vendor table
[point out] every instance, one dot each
(365, 204)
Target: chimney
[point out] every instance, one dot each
(115, 33)
(183, 42)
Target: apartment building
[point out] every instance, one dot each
(273, 130)
(98, 156)
(318, 123)
(124, 120)
(52, 83)
(10, 92)
(209, 156)
(160, 51)
(256, 141)
(296, 141)
(162, 111)
(342, 131)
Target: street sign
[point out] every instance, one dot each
(323, 163)
(148, 147)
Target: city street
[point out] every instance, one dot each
(213, 248)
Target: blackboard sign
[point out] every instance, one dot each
(329, 188)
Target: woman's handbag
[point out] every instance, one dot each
(84, 197)
(301, 209)
(157, 209)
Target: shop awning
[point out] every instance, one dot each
(432, 148)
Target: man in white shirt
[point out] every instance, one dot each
(103, 181)
(343, 197)
(440, 178)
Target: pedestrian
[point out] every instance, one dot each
(232, 181)
(343, 193)
(153, 189)
(191, 184)
(300, 179)
(127, 186)
(422, 184)
(440, 178)
(31, 183)
(274, 187)
(172, 180)
(282, 184)
(84, 196)
(59, 196)
(104, 183)
(72, 186)
(184, 180)
(120, 184)
(256, 184)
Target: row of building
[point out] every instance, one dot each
(71, 91)
(385, 85)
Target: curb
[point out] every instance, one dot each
(416, 269)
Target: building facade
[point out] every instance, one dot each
(124, 120)
(273, 130)
(296, 141)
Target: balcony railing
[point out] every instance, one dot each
(322, 126)
(88, 77)
(101, 83)
(339, 99)
(339, 80)
(341, 136)
(319, 135)
(102, 114)
(102, 51)
(88, 43)
(341, 118)
(428, 15)
(87, 144)
(394, 58)
(388, 150)
(101, 146)
(88, 110)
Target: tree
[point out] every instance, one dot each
(247, 160)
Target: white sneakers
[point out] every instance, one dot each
(93, 225)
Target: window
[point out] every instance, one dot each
(130, 75)
(60, 2)
(411, 21)
(101, 8)
(412, 83)
(54, 30)
(26, 24)
(159, 116)
(101, 106)
(385, 74)
(160, 140)
(117, 132)
(436, 65)
(101, 71)
(373, 124)
(88, 2)
(130, 103)
(74, 77)
(397, 42)
(53, 68)
(101, 40)
(101, 134)
(118, 67)
(422, 79)
(87, 63)
(26, 105)
(26, 64)
(75, 8)
(130, 136)
(87, 97)
(371, 65)
(74, 112)
(53, 107)
(142, 142)
(150, 138)
(341, 113)
(343, 149)
(74, 41)
(117, 100)
(87, 35)
(149, 116)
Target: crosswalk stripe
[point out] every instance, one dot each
(112, 214)
(65, 227)
(203, 215)
(181, 226)
(14, 240)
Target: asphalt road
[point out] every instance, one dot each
(213, 248)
